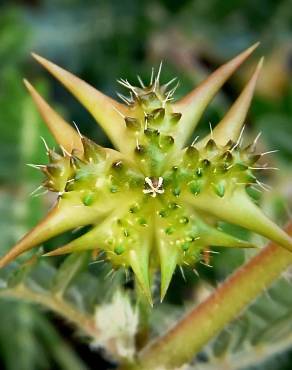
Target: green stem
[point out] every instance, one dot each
(144, 313)
(182, 342)
(55, 304)
(83, 321)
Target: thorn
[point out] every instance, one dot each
(127, 84)
(120, 113)
(264, 168)
(269, 152)
(96, 261)
(124, 99)
(132, 88)
(206, 264)
(40, 194)
(146, 121)
(35, 190)
(152, 76)
(123, 82)
(110, 273)
(46, 145)
(211, 130)
(77, 129)
(170, 82)
(195, 140)
(141, 81)
(263, 186)
(159, 71)
(167, 98)
(112, 276)
(182, 273)
(173, 90)
(156, 82)
(36, 166)
(137, 143)
(196, 272)
(256, 139)
(193, 104)
(76, 229)
(238, 140)
(64, 151)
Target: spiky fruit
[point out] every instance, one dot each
(152, 203)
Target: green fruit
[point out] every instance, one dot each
(150, 201)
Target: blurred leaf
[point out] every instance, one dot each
(261, 332)
(67, 271)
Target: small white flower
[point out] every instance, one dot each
(154, 186)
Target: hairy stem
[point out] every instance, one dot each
(55, 304)
(82, 321)
(144, 314)
(182, 342)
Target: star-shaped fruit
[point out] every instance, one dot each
(154, 202)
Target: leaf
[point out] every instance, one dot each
(260, 333)
(63, 354)
(67, 271)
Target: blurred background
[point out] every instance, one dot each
(101, 41)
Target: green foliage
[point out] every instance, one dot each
(257, 338)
